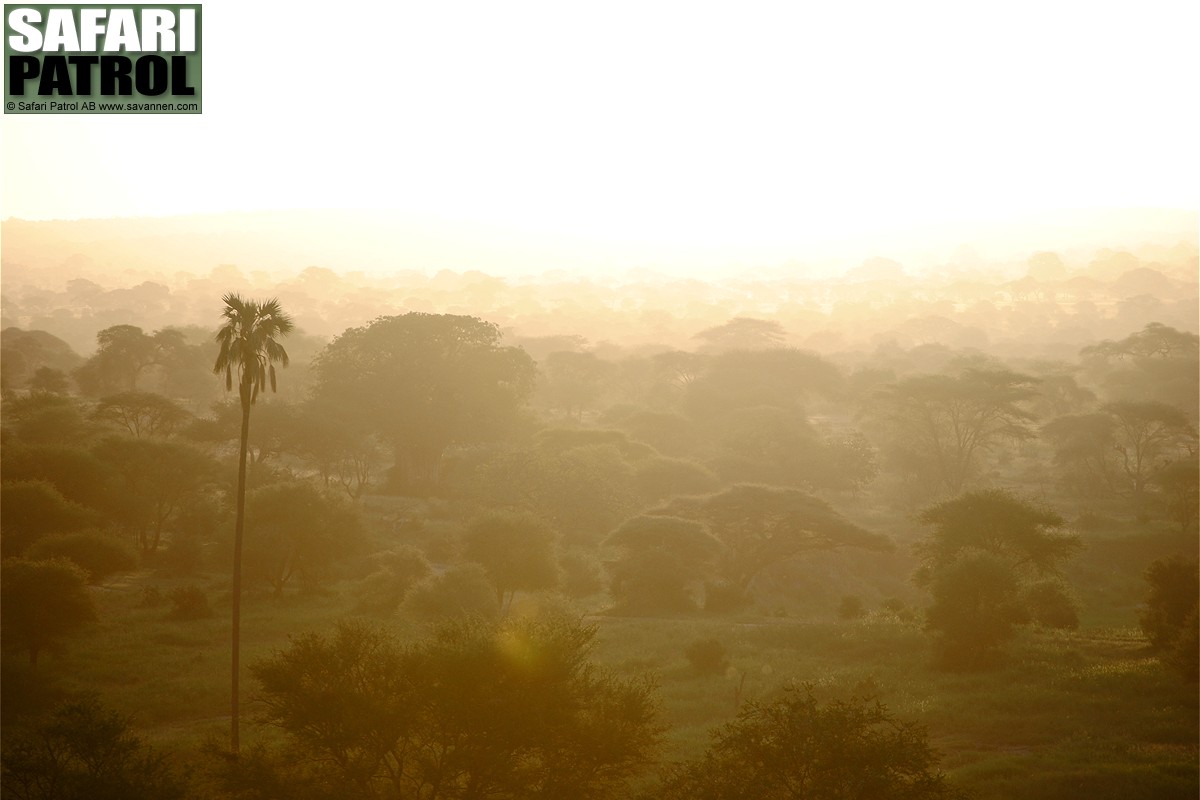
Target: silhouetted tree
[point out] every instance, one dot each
(762, 526)
(142, 413)
(939, 425)
(248, 349)
(42, 601)
(86, 752)
(662, 563)
(298, 532)
(742, 333)
(425, 382)
(1147, 437)
(99, 555)
(72, 470)
(154, 481)
(33, 509)
(49, 381)
(571, 382)
(1173, 588)
(1179, 482)
(123, 352)
(517, 550)
(1155, 364)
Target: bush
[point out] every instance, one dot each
(462, 591)
(99, 555)
(383, 590)
(189, 603)
(1174, 584)
(86, 751)
(1051, 607)
(33, 509)
(41, 601)
(1184, 657)
(152, 597)
(582, 572)
(797, 747)
(899, 609)
(975, 610)
(477, 709)
(851, 608)
(707, 656)
(183, 555)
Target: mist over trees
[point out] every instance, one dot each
(565, 536)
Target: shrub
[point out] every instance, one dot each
(99, 555)
(33, 509)
(1051, 607)
(383, 590)
(851, 608)
(899, 609)
(975, 610)
(798, 747)
(86, 751)
(707, 656)
(517, 550)
(462, 591)
(1174, 584)
(1184, 657)
(183, 555)
(41, 601)
(152, 597)
(477, 709)
(189, 603)
(582, 572)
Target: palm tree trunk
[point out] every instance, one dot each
(239, 525)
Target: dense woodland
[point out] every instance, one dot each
(883, 536)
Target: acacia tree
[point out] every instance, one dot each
(939, 425)
(249, 350)
(762, 526)
(142, 413)
(1123, 449)
(425, 382)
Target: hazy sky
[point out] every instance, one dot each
(715, 124)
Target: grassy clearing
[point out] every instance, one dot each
(1065, 708)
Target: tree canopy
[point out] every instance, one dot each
(938, 426)
(478, 710)
(762, 526)
(425, 382)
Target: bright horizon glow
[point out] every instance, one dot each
(654, 125)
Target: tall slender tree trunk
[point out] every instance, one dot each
(239, 525)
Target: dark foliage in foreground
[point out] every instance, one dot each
(799, 747)
(86, 752)
(478, 710)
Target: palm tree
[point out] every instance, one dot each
(249, 348)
